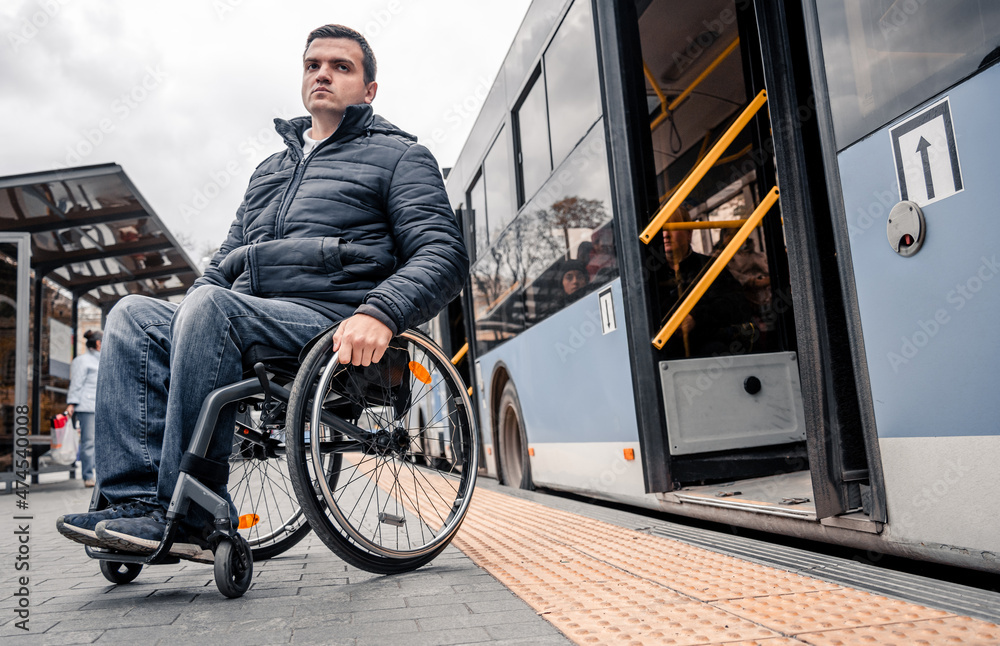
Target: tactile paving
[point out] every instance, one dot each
(826, 610)
(603, 584)
(950, 631)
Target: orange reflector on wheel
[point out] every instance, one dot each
(629, 454)
(248, 520)
(420, 372)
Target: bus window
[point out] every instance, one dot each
(533, 137)
(571, 81)
(499, 189)
(559, 248)
(562, 102)
(477, 218)
(882, 57)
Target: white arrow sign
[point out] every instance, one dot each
(926, 155)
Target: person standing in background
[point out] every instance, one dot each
(81, 399)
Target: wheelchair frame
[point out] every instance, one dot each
(233, 556)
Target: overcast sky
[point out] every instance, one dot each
(182, 93)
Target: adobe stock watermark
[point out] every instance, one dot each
(608, 477)
(957, 298)
(120, 109)
(250, 150)
(697, 45)
(898, 15)
(380, 18)
(30, 27)
(461, 111)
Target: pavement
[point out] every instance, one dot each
(307, 595)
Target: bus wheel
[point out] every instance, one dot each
(514, 465)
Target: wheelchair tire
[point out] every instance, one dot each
(271, 519)
(120, 573)
(232, 579)
(387, 508)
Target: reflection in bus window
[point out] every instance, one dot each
(499, 190)
(571, 80)
(565, 229)
(882, 57)
(533, 134)
(477, 204)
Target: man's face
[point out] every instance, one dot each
(333, 78)
(676, 243)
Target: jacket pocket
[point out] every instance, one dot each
(363, 260)
(293, 266)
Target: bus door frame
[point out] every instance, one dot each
(633, 192)
(824, 296)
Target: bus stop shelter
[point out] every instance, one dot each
(66, 236)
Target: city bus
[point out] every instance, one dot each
(733, 260)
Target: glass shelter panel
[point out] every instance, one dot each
(9, 367)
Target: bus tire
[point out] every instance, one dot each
(515, 467)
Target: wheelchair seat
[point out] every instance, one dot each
(275, 360)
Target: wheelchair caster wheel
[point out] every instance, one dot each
(231, 575)
(120, 572)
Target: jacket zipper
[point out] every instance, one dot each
(293, 186)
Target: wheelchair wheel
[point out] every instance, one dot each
(387, 507)
(232, 576)
(120, 573)
(271, 519)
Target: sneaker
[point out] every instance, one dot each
(82, 528)
(143, 535)
(89, 484)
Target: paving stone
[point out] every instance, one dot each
(481, 619)
(374, 616)
(500, 594)
(557, 639)
(54, 639)
(35, 626)
(347, 633)
(136, 618)
(521, 630)
(433, 638)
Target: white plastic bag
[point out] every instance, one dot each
(64, 445)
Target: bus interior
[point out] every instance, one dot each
(732, 400)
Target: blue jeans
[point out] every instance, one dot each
(158, 362)
(86, 444)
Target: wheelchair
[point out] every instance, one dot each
(380, 461)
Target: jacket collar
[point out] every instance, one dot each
(358, 119)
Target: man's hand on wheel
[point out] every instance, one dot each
(361, 340)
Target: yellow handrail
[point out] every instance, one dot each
(656, 86)
(460, 354)
(684, 309)
(701, 77)
(702, 168)
(704, 224)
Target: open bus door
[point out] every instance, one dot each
(717, 316)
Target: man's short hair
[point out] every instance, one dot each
(340, 31)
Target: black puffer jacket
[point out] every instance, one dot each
(361, 225)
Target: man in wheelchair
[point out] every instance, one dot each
(349, 223)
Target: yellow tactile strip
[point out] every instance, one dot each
(603, 584)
